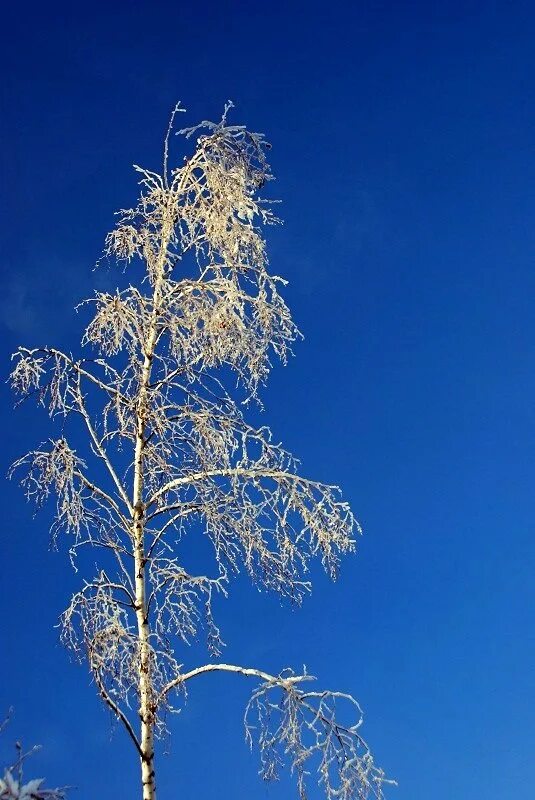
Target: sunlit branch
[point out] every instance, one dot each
(104, 495)
(182, 514)
(249, 672)
(75, 365)
(102, 453)
(236, 472)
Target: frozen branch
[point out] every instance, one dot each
(287, 722)
(119, 713)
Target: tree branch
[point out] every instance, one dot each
(247, 671)
(117, 711)
(101, 451)
(235, 472)
(101, 493)
(76, 365)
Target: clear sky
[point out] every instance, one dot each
(404, 148)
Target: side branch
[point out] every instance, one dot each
(46, 352)
(119, 713)
(283, 681)
(302, 727)
(236, 472)
(101, 452)
(103, 495)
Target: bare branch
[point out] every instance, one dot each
(249, 672)
(303, 725)
(119, 713)
(101, 451)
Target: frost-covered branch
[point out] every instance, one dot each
(272, 521)
(117, 711)
(304, 728)
(177, 599)
(288, 723)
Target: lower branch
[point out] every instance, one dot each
(303, 727)
(247, 671)
(118, 712)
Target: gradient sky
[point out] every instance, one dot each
(404, 148)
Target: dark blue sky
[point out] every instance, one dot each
(404, 147)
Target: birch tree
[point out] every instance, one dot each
(168, 368)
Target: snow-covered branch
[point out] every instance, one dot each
(289, 723)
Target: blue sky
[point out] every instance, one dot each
(404, 149)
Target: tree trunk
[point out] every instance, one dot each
(146, 709)
(146, 712)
